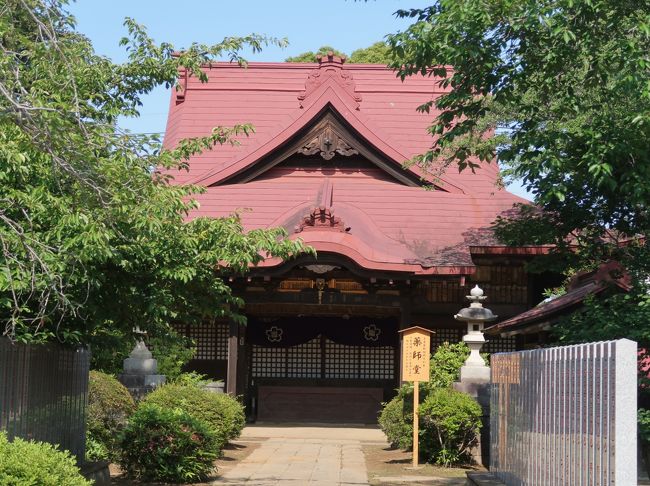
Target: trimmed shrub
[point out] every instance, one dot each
(24, 463)
(450, 423)
(191, 378)
(396, 417)
(97, 451)
(222, 413)
(167, 445)
(109, 407)
(446, 363)
(396, 420)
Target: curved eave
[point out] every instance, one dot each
(403, 268)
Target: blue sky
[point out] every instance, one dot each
(307, 24)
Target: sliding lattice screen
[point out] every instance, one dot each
(211, 339)
(323, 358)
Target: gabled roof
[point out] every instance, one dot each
(278, 99)
(326, 161)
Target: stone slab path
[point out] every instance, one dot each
(304, 456)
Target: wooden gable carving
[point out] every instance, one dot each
(329, 137)
(327, 142)
(330, 69)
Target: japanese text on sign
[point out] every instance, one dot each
(415, 355)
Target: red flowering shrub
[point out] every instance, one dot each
(167, 445)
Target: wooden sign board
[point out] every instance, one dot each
(416, 350)
(416, 347)
(508, 370)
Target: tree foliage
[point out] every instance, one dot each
(565, 86)
(378, 53)
(92, 240)
(310, 56)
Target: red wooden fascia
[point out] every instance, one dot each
(327, 95)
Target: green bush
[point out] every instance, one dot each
(173, 351)
(446, 363)
(643, 418)
(191, 378)
(396, 417)
(109, 407)
(97, 450)
(396, 420)
(450, 422)
(222, 413)
(167, 445)
(24, 463)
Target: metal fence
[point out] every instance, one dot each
(43, 394)
(565, 416)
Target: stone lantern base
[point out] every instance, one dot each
(140, 372)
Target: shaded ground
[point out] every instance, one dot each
(388, 466)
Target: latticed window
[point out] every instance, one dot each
(441, 336)
(269, 362)
(323, 358)
(304, 360)
(452, 336)
(499, 345)
(211, 339)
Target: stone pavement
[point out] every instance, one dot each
(318, 456)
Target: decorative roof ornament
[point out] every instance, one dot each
(329, 70)
(328, 142)
(322, 216)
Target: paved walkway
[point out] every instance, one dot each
(318, 456)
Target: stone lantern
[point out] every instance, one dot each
(140, 369)
(475, 370)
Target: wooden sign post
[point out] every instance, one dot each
(416, 346)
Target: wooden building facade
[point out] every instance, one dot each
(326, 163)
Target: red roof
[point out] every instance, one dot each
(386, 220)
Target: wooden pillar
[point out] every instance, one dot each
(242, 362)
(404, 322)
(233, 354)
(405, 308)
